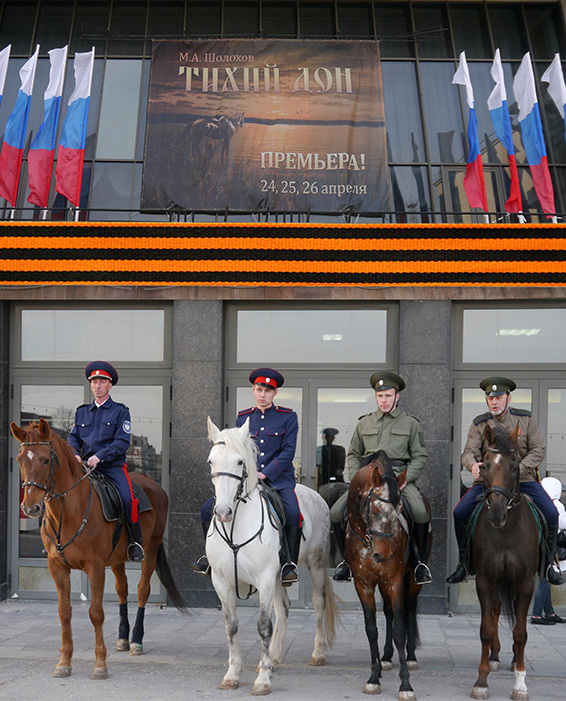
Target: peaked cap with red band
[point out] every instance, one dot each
(99, 368)
(267, 376)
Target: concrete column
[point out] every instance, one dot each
(5, 437)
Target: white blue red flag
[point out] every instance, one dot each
(474, 183)
(4, 58)
(71, 151)
(15, 134)
(42, 149)
(499, 111)
(531, 133)
(556, 86)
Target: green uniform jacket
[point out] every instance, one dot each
(531, 446)
(397, 433)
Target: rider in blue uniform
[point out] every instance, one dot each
(101, 437)
(274, 429)
(531, 450)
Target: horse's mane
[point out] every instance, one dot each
(236, 443)
(388, 476)
(502, 441)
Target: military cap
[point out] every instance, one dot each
(267, 376)
(494, 386)
(330, 431)
(383, 379)
(99, 368)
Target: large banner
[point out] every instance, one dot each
(266, 125)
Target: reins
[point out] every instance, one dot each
(511, 496)
(370, 532)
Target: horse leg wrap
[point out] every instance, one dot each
(124, 626)
(137, 635)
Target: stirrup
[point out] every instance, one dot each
(553, 577)
(291, 576)
(426, 577)
(342, 573)
(132, 549)
(202, 566)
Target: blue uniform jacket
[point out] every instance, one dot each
(275, 433)
(104, 432)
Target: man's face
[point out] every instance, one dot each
(387, 399)
(263, 396)
(100, 388)
(498, 405)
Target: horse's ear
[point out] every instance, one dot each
(376, 473)
(245, 427)
(18, 432)
(488, 434)
(44, 429)
(402, 478)
(213, 430)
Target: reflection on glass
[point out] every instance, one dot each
(556, 437)
(470, 31)
(514, 336)
(112, 190)
(309, 336)
(74, 334)
(402, 112)
(443, 112)
(330, 458)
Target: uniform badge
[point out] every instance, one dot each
(127, 427)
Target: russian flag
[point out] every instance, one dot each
(71, 151)
(4, 58)
(42, 149)
(499, 111)
(474, 183)
(531, 133)
(556, 86)
(15, 134)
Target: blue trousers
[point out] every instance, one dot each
(288, 497)
(535, 490)
(543, 601)
(118, 475)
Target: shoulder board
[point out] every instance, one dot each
(82, 406)
(481, 418)
(284, 409)
(416, 418)
(519, 412)
(363, 416)
(244, 412)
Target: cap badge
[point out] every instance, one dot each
(268, 380)
(494, 387)
(380, 383)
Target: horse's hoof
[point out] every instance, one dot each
(228, 684)
(480, 692)
(319, 661)
(386, 666)
(372, 689)
(494, 665)
(520, 695)
(122, 645)
(407, 696)
(260, 690)
(61, 672)
(136, 649)
(412, 665)
(99, 673)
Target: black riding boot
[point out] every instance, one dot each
(552, 576)
(135, 550)
(201, 565)
(420, 536)
(461, 572)
(289, 571)
(342, 572)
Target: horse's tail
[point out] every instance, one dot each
(507, 598)
(331, 611)
(166, 578)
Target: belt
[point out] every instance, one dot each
(398, 463)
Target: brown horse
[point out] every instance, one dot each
(76, 535)
(377, 552)
(506, 556)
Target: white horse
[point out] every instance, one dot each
(242, 547)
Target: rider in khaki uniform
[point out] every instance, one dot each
(399, 434)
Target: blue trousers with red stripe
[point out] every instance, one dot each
(288, 497)
(118, 475)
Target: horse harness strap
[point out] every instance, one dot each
(370, 532)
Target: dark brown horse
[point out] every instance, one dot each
(376, 550)
(76, 535)
(506, 556)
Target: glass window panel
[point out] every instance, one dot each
(546, 29)
(241, 19)
(559, 176)
(508, 29)
(117, 129)
(90, 27)
(469, 26)
(111, 191)
(203, 18)
(555, 141)
(354, 19)
(443, 113)
(410, 193)
(556, 435)
(402, 112)
(433, 33)
(316, 19)
(166, 20)
(394, 30)
(514, 336)
(74, 335)
(127, 28)
(308, 336)
(54, 24)
(39, 579)
(279, 19)
(18, 21)
(457, 202)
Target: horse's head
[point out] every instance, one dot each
(500, 473)
(379, 507)
(232, 461)
(36, 459)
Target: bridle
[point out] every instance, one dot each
(510, 495)
(365, 513)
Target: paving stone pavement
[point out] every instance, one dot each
(185, 657)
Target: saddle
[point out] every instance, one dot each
(112, 506)
(276, 510)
